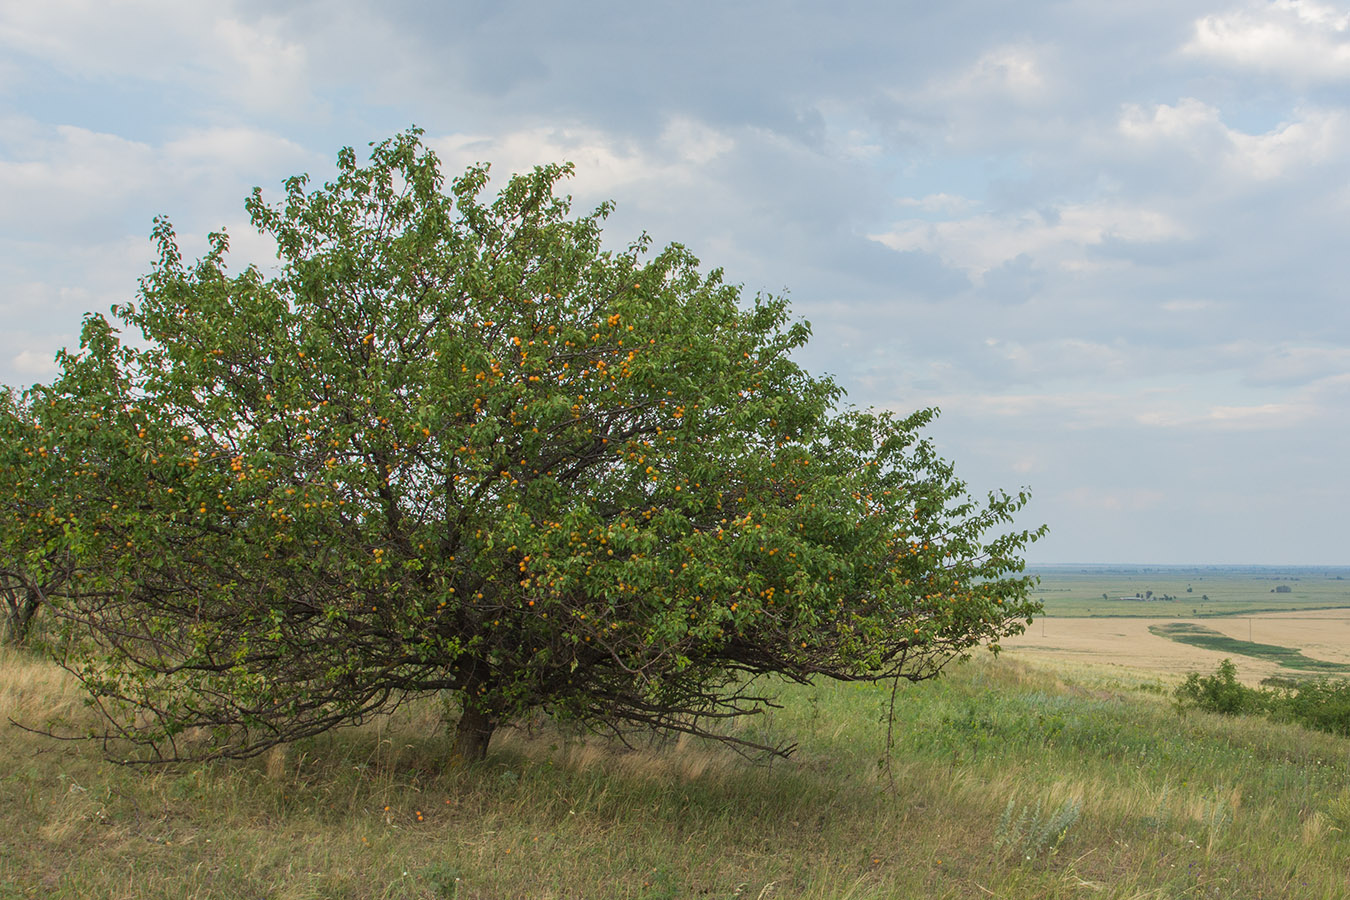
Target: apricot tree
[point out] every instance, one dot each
(456, 445)
(33, 562)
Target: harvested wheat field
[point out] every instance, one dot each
(1321, 635)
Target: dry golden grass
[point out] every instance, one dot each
(1194, 806)
(1128, 644)
(33, 690)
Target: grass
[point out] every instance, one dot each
(1209, 639)
(1005, 780)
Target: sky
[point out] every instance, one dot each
(1108, 240)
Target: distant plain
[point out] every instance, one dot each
(1240, 603)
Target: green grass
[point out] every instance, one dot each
(1004, 780)
(1196, 591)
(1209, 639)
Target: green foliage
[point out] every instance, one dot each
(456, 445)
(1220, 692)
(1324, 705)
(33, 560)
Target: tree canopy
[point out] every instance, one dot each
(454, 444)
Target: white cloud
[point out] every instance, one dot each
(980, 243)
(1014, 70)
(601, 164)
(1196, 129)
(604, 163)
(265, 71)
(1059, 406)
(129, 38)
(28, 354)
(69, 173)
(694, 142)
(1006, 72)
(245, 64)
(228, 152)
(65, 181)
(37, 364)
(1118, 399)
(1222, 417)
(1183, 122)
(1302, 40)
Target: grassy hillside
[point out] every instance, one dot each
(1004, 781)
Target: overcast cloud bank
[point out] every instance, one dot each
(1106, 241)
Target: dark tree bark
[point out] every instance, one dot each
(21, 606)
(472, 735)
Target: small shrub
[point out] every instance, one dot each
(1220, 692)
(1323, 705)
(1031, 833)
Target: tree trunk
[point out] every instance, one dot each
(19, 614)
(472, 736)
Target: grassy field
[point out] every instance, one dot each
(1010, 778)
(1081, 591)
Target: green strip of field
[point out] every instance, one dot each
(1209, 639)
